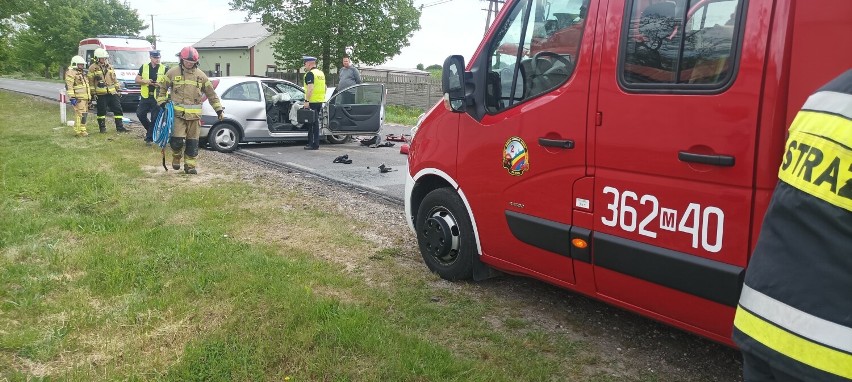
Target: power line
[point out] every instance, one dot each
(439, 2)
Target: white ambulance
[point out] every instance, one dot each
(126, 55)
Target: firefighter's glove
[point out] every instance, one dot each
(220, 114)
(101, 84)
(73, 102)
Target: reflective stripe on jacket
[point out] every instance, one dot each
(107, 74)
(319, 86)
(76, 84)
(795, 310)
(188, 88)
(146, 74)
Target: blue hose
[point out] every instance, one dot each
(164, 124)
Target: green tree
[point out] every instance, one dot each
(52, 33)
(10, 21)
(377, 29)
(15, 7)
(419, 66)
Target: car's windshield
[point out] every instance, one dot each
(127, 59)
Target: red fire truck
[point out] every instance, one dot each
(623, 149)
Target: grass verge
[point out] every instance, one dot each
(111, 268)
(402, 115)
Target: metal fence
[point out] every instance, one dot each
(420, 92)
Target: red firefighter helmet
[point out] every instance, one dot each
(189, 53)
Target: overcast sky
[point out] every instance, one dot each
(446, 27)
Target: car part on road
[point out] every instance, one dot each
(403, 149)
(342, 159)
(369, 141)
(224, 138)
(398, 138)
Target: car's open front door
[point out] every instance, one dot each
(357, 110)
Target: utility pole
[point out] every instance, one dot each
(493, 8)
(153, 35)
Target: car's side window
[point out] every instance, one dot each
(365, 94)
(534, 50)
(268, 92)
(680, 43)
(246, 91)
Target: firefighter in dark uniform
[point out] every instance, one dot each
(105, 86)
(147, 79)
(314, 81)
(188, 85)
(794, 319)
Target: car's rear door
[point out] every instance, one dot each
(357, 110)
(245, 102)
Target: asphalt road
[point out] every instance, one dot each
(362, 174)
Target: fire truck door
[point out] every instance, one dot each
(523, 158)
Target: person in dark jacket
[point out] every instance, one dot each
(794, 318)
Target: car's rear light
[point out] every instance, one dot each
(215, 83)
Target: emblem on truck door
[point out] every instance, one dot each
(515, 156)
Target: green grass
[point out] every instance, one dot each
(402, 115)
(112, 269)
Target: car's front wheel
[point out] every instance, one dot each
(224, 138)
(337, 139)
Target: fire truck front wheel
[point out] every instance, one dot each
(445, 235)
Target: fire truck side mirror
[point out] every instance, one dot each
(454, 85)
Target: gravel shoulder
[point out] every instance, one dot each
(628, 346)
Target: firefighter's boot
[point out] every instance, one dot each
(119, 125)
(176, 144)
(191, 154)
(102, 125)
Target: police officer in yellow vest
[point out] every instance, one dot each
(794, 319)
(77, 90)
(188, 85)
(147, 79)
(105, 86)
(314, 81)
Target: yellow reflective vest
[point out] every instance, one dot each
(105, 73)
(319, 86)
(188, 89)
(76, 84)
(146, 75)
(795, 310)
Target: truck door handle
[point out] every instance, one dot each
(560, 143)
(713, 160)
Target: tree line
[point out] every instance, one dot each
(39, 37)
